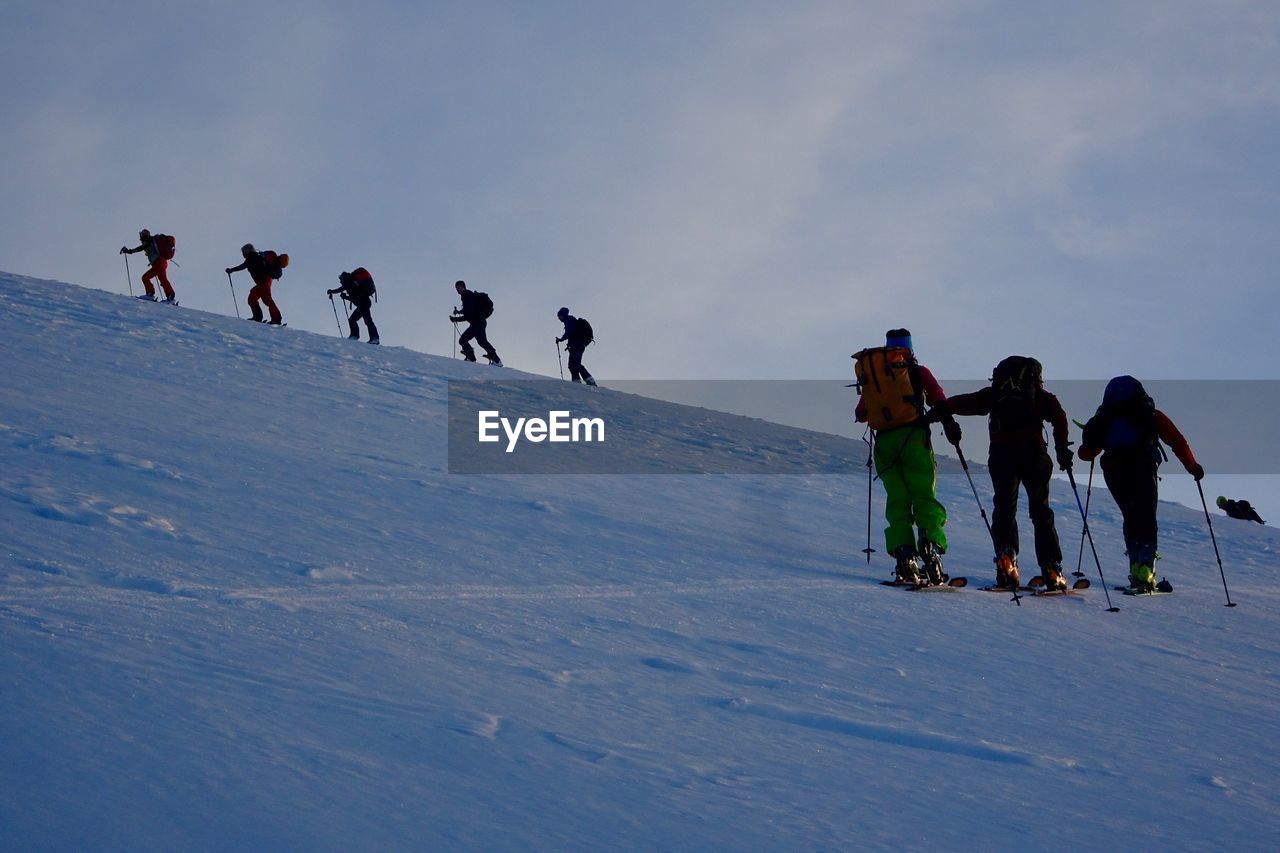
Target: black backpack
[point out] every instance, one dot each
(583, 335)
(364, 286)
(484, 304)
(1016, 381)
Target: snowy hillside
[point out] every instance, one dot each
(244, 605)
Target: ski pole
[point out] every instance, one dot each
(1017, 599)
(128, 275)
(334, 306)
(1111, 608)
(559, 358)
(1214, 539)
(1088, 496)
(455, 338)
(233, 295)
(870, 438)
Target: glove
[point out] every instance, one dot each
(454, 319)
(951, 429)
(1196, 471)
(227, 270)
(1065, 458)
(124, 250)
(331, 292)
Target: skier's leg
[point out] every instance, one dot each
(1037, 475)
(276, 318)
(161, 271)
(897, 506)
(464, 343)
(147, 278)
(920, 470)
(255, 310)
(1004, 511)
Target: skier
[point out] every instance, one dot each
(1127, 431)
(1017, 405)
(578, 336)
(264, 268)
(358, 288)
(159, 249)
(1242, 510)
(894, 390)
(476, 309)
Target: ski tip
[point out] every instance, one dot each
(1083, 583)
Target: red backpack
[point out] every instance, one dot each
(364, 281)
(166, 246)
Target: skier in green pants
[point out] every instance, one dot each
(894, 391)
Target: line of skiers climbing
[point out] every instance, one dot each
(899, 400)
(357, 288)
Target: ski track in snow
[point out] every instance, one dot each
(244, 605)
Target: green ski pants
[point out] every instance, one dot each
(905, 464)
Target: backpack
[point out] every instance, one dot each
(484, 304)
(887, 380)
(1126, 420)
(364, 283)
(274, 263)
(1016, 381)
(166, 246)
(583, 335)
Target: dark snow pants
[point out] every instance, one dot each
(1026, 465)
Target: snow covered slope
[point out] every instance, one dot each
(243, 605)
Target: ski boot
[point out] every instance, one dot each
(1053, 578)
(932, 560)
(1142, 577)
(907, 571)
(494, 360)
(170, 300)
(1007, 569)
(590, 381)
(150, 297)
(374, 341)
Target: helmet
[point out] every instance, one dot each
(1222, 502)
(461, 284)
(247, 249)
(144, 234)
(562, 313)
(346, 278)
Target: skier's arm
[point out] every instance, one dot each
(1051, 412)
(124, 250)
(1171, 436)
(243, 266)
(976, 403)
(933, 393)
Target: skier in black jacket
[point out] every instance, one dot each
(475, 310)
(358, 289)
(576, 341)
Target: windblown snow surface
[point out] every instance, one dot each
(244, 605)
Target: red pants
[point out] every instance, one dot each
(262, 291)
(159, 270)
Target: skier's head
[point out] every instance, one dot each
(144, 234)
(1123, 389)
(346, 278)
(1222, 502)
(247, 249)
(562, 313)
(898, 338)
(460, 286)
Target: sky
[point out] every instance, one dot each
(726, 190)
